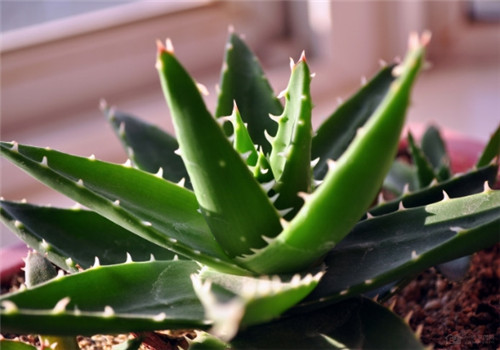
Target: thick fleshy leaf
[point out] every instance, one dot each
(204, 341)
(135, 296)
(458, 186)
(157, 210)
(37, 269)
(491, 150)
(71, 237)
(434, 148)
(290, 157)
(423, 168)
(232, 202)
(336, 133)
(148, 147)
(332, 210)
(15, 345)
(242, 141)
(232, 301)
(242, 80)
(352, 324)
(399, 176)
(385, 248)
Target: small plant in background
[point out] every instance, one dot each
(248, 227)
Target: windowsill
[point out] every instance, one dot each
(92, 22)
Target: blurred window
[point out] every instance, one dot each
(20, 14)
(484, 10)
(25, 23)
(64, 55)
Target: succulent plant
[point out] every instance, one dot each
(246, 226)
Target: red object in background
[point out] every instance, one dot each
(11, 261)
(464, 151)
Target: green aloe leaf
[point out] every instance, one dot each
(399, 176)
(332, 210)
(290, 157)
(148, 147)
(242, 141)
(15, 345)
(336, 133)
(71, 237)
(385, 248)
(424, 171)
(157, 210)
(458, 186)
(352, 324)
(133, 296)
(243, 81)
(207, 341)
(232, 301)
(434, 148)
(233, 203)
(491, 150)
(38, 270)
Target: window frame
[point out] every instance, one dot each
(56, 69)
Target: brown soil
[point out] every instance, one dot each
(456, 315)
(449, 315)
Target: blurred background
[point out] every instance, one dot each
(59, 58)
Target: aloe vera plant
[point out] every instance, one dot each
(247, 226)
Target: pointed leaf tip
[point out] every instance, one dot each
(169, 46)
(163, 48)
(235, 107)
(415, 41)
(160, 46)
(425, 38)
(303, 57)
